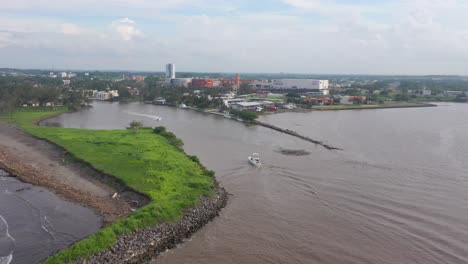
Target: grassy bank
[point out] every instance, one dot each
(145, 161)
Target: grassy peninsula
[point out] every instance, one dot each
(148, 162)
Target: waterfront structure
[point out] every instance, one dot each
(170, 71)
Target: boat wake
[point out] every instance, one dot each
(154, 117)
(7, 243)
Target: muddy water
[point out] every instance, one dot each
(396, 194)
(35, 223)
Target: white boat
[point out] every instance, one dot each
(227, 115)
(255, 159)
(183, 106)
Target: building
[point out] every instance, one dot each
(170, 71)
(349, 100)
(319, 100)
(425, 92)
(181, 82)
(253, 106)
(203, 83)
(453, 93)
(295, 85)
(66, 82)
(306, 85)
(103, 96)
(63, 74)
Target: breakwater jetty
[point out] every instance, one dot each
(295, 134)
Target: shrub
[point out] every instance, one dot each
(159, 129)
(194, 159)
(245, 115)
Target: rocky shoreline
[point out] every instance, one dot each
(143, 245)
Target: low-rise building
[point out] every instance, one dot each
(202, 83)
(181, 82)
(453, 93)
(103, 96)
(349, 100)
(251, 105)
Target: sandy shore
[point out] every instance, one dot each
(43, 164)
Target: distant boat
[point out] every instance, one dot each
(183, 106)
(255, 159)
(227, 115)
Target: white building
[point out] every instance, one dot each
(170, 71)
(103, 96)
(63, 74)
(250, 105)
(426, 92)
(300, 85)
(181, 82)
(114, 93)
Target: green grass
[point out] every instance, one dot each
(146, 162)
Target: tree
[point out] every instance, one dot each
(135, 126)
(245, 115)
(245, 89)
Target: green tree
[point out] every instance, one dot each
(135, 126)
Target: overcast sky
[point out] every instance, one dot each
(291, 36)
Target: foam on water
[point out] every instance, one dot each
(6, 240)
(154, 117)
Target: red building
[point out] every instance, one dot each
(202, 83)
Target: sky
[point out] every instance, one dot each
(260, 36)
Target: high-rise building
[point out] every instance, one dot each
(170, 71)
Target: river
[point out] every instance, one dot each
(396, 193)
(35, 223)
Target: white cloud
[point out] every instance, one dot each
(126, 29)
(71, 29)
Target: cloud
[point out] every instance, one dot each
(126, 29)
(71, 29)
(307, 4)
(312, 36)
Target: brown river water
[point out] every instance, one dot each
(397, 193)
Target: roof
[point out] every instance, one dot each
(250, 104)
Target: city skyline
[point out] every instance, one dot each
(295, 36)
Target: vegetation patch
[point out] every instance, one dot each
(151, 163)
(244, 115)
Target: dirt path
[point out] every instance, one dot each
(41, 163)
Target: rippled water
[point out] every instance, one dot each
(35, 223)
(396, 194)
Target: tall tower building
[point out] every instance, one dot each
(237, 84)
(170, 71)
